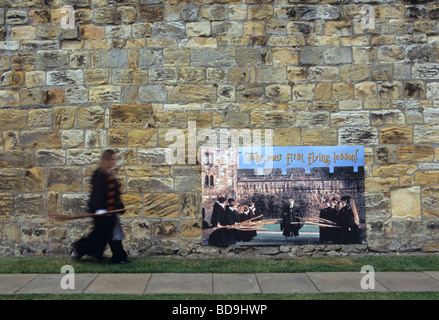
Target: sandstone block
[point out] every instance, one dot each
(394, 170)
(319, 136)
(427, 177)
(129, 115)
(150, 13)
(161, 205)
(34, 139)
(425, 134)
(9, 159)
(406, 202)
(430, 199)
(64, 117)
(166, 230)
(316, 12)
(350, 118)
(396, 135)
(391, 53)
(6, 205)
(365, 90)
(273, 119)
(104, 94)
(91, 117)
(9, 98)
(83, 157)
(145, 185)
(358, 136)
(191, 229)
(29, 206)
(53, 96)
(50, 157)
(192, 93)
(414, 153)
(12, 179)
(12, 119)
(386, 117)
(52, 59)
(142, 137)
(64, 179)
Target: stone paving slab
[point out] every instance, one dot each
(408, 281)
(341, 282)
(235, 283)
(119, 283)
(11, 283)
(209, 283)
(285, 283)
(51, 283)
(180, 283)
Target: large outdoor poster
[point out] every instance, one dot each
(283, 195)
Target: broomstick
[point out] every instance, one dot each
(53, 216)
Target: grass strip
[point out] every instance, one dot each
(223, 265)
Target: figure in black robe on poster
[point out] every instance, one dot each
(232, 218)
(291, 220)
(348, 219)
(329, 213)
(218, 219)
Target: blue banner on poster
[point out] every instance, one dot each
(264, 158)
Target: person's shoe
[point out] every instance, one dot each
(75, 256)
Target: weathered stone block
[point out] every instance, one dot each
(406, 202)
(192, 93)
(10, 118)
(386, 117)
(29, 206)
(394, 170)
(191, 229)
(83, 157)
(104, 94)
(430, 199)
(350, 118)
(415, 153)
(150, 12)
(142, 137)
(130, 115)
(52, 59)
(357, 136)
(213, 57)
(396, 135)
(425, 134)
(10, 159)
(6, 205)
(317, 12)
(64, 179)
(144, 185)
(365, 90)
(311, 55)
(53, 96)
(273, 119)
(161, 205)
(12, 179)
(40, 139)
(427, 178)
(166, 230)
(319, 136)
(91, 117)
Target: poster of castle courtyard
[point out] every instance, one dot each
(290, 195)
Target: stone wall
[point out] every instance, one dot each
(131, 70)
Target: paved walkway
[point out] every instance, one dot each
(208, 283)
